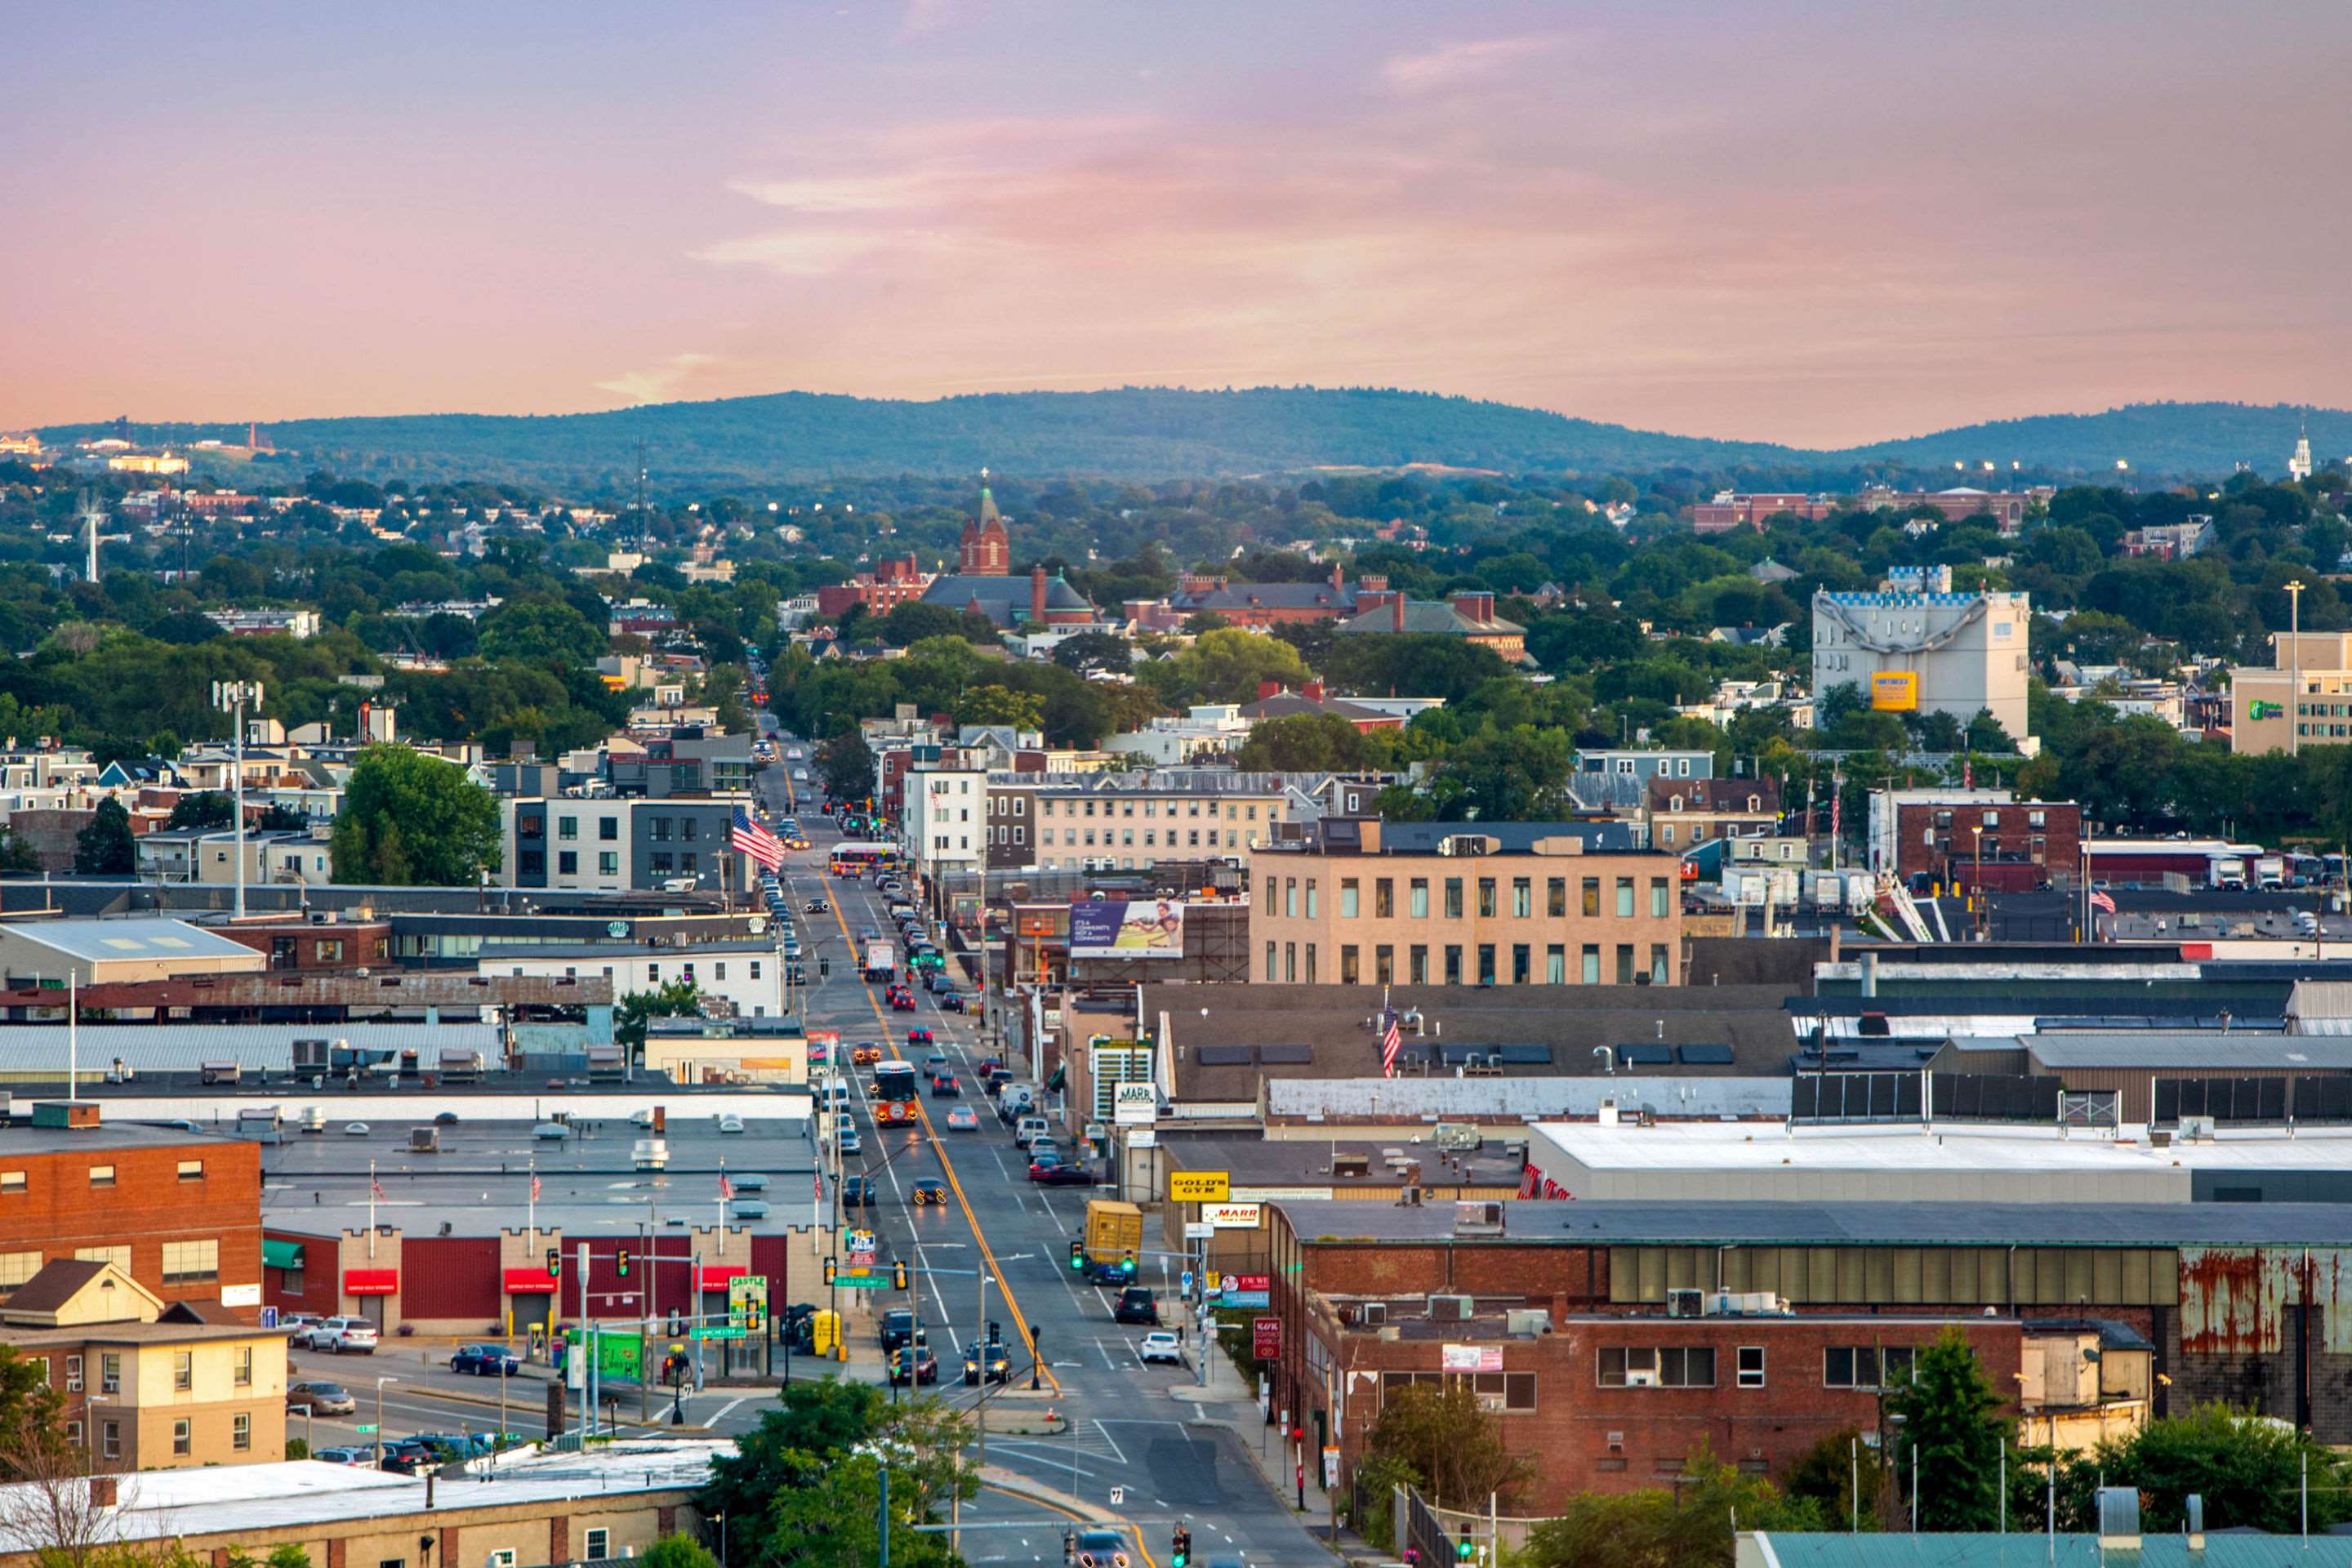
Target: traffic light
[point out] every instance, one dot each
(1466, 1550)
(831, 1269)
(1077, 1255)
(621, 1262)
(1179, 1548)
(555, 1262)
(677, 1323)
(898, 1274)
(1127, 1265)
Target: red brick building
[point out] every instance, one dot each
(889, 584)
(1262, 605)
(179, 1212)
(1728, 511)
(2023, 843)
(1577, 1297)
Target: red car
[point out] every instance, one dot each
(919, 1035)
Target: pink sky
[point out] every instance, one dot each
(1816, 221)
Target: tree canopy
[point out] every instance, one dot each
(412, 819)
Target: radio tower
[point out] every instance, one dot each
(640, 540)
(91, 512)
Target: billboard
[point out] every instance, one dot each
(1894, 691)
(1151, 928)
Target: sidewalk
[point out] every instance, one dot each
(1228, 1402)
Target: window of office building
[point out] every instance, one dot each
(183, 1437)
(1591, 964)
(567, 827)
(608, 863)
(1487, 898)
(1417, 898)
(1520, 973)
(1290, 963)
(1347, 898)
(189, 1262)
(567, 863)
(1384, 964)
(184, 1370)
(1556, 898)
(1269, 964)
(1452, 964)
(1523, 898)
(1486, 963)
(1661, 896)
(1555, 965)
(1290, 898)
(1593, 896)
(1658, 1366)
(1454, 897)
(1624, 897)
(1417, 964)
(1348, 975)
(1658, 975)
(608, 830)
(240, 1432)
(1624, 964)
(1312, 905)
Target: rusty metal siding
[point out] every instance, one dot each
(2235, 1300)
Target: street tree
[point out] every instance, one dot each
(1442, 1434)
(105, 847)
(413, 820)
(1952, 1428)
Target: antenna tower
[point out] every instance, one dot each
(91, 512)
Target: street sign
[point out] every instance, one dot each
(857, 1241)
(713, 1331)
(364, 1427)
(1197, 1230)
(1265, 1337)
(1185, 1284)
(1117, 1496)
(861, 1260)
(1197, 1186)
(1215, 1280)
(861, 1281)
(268, 1316)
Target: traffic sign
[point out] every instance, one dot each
(714, 1331)
(268, 1316)
(862, 1281)
(364, 1426)
(1186, 1282)
(861, 1260)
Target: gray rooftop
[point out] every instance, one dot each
(2213, 1049)
(100, 941)
(28, 1051)
(19, 1138)
(1607, 1222)
(2222, 1549)
(758, 947)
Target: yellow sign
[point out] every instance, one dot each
(1197, 1186)
(1894, 691)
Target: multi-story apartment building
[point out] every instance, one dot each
(1964, 653)
(943, 821)
(147, 1384)
(180, 1212)
(1374, 903)
(688, 761)
(746, 975)
(668, 844)
(1619, 779)
(2007, 508)
(1728, 510)
(1468, 615)
(1685, 813)
(887, 586)
(1122, 821)
(2303, 698)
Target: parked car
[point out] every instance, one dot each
(856, 1193)
(963, 1119)
(930, 1190)
(1161, 1346)
(323, 1398)
(344, 1456)
(848, 1141)
(340, 1336)
(407, 1456)
(297, 1326)
(1136, 1305)
(486, 1361)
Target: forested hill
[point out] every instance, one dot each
(1130, 432)
(1152, 433)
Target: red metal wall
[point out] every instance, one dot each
(451, 1277)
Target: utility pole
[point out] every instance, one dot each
(2294, 586)
(232, 697)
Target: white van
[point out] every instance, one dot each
(1028, 1130)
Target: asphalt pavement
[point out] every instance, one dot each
(1136, 1447)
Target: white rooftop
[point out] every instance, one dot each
(228, 1499)
(1911, 1148)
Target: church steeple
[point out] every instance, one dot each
(2299, 465)
(985, 550)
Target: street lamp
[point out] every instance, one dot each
(231, 696)
(1976, 888)
(379, 1418)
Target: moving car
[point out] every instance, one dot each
(1161, 1346)
(340, 1335)
(945, 1086)
(1136, 1306)
(323, 1398)
(930, 1190)
(920, 1035)
(486, 1361)
(926, 1366)
(865, 1052)
(949, 1001)
(1100, 1549)
(902, 1001)
(1043, 1162)
(993, 1361)
(1063, 1176)
(897, 1327)
(963, 1119)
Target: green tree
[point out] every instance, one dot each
(204, 809)
(678, 1551)
(105, 847)
(2249, 1468)
(1520, 774)
(1311, 742)
(1839, 1477)
(541, 631)
(1002, 705)
(1442, 1435)
(413, 820)
(1226, 663)
(1951, 1416)
(1093, 653)
(1692, 1526)
(32, 1443)
(671, 999)
(845, 766)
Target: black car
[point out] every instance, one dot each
(993, 1360)
(1136, 1305)
(1064, 1176)
(896, 1328)
(856, 1193)
(945, 1086)
(486, 1361)
(407, 1456)
(950, 1001)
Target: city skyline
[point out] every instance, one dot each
(1788, 227)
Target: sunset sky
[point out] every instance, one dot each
(1815, 221)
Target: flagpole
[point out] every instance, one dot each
(371, 1208)
(532, 1232)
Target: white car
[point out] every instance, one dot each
(1159, 1346)
(344, 1336)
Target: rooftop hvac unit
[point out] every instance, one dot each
(1685, 1303)
(2196, 1129)
(1527, 1320)
(1478, 1217)
(1449, 1308)
(1372, 1314)
(1745, 1304)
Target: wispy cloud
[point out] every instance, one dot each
(1451, 65)
(657, 383)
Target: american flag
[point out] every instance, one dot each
(726, 1187)
(748, 837)
(376, 1189)
(1391, 1038)
(2100, 901)
(816, 1180)
(534, 1186)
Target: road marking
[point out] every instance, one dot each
(923, 1115)
(1119, 1452)
(723, 1411)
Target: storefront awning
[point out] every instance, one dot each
(371, 1282)
(529, 1282)
(716, 1275)
(276, 1253)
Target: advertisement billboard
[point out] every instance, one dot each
(1894, 691)
(1151, 928)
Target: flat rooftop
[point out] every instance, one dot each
(148, 939)
(20, 1137)
(1253, 1162)
(1692, 1146)
(2215, 1049)
(1678, 1222)
(478, 1181)
(230, 1498)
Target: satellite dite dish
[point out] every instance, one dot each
(616, 928)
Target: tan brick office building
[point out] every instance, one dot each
(1372, 903)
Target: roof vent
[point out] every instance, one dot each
(75, 1114)
(2118, 1518)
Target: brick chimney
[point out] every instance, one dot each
(103, 1493)
(1396, 612)
(1266, 688)
(1377, 583)
(1312, 691)
(1339, 580)
(1037, 595)
(1475, 606)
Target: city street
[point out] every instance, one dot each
(1128, 1430)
